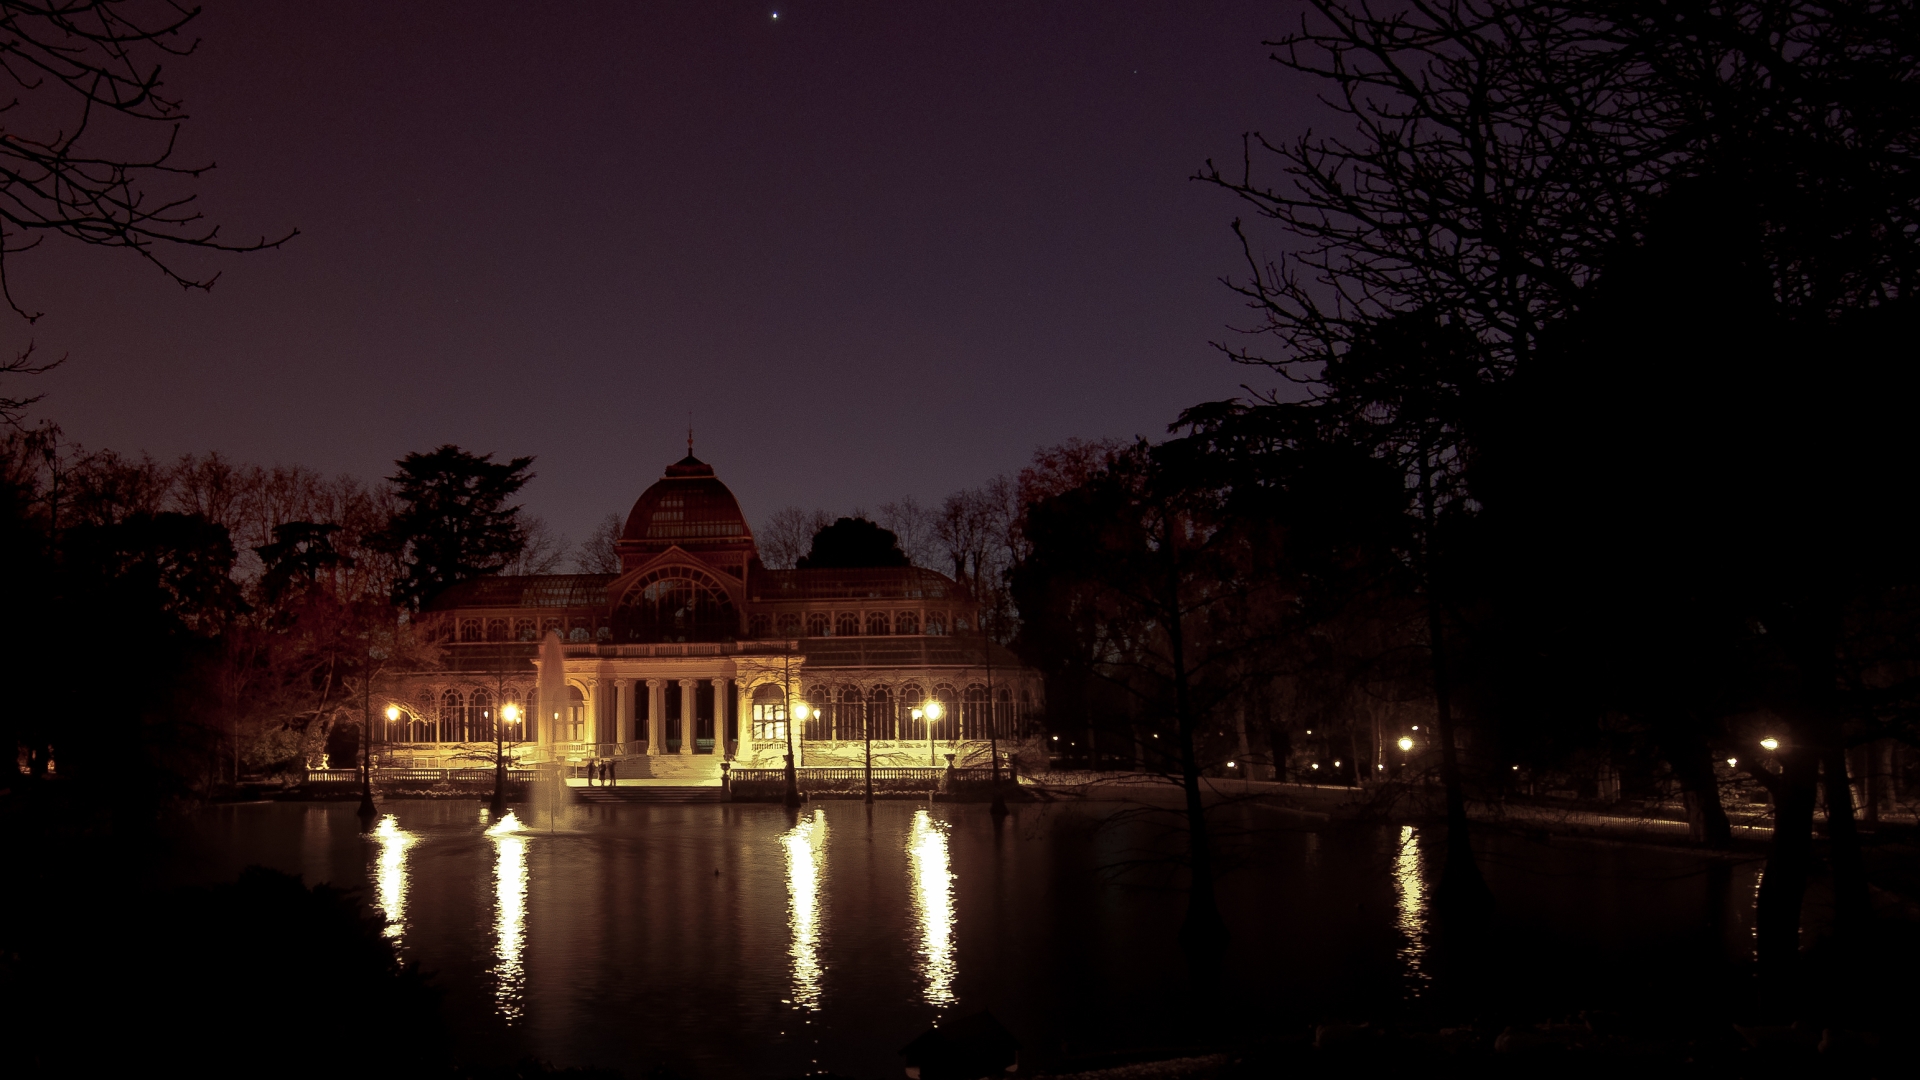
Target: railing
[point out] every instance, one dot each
(418, 776)
(859, 775)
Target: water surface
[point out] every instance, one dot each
(748, 940)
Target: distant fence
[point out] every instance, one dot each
(416, 776)
(749, 782)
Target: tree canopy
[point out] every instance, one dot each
(455, 521)
(852, 543)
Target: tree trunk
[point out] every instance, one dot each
(1204, 931)
(1707, 822)
(1852, 908)
(1462, 888)
(1783, 884)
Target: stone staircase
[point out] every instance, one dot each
(669, 778)
(696, 769)
(649, 793)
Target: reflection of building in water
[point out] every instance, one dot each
(806, 845)
(933, 904)
(1410, 907)
(390, 873)
(682, 659)
(509, 916)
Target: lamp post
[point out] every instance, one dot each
(999, 809)
(367, 810)
(867, 730)
(503, 715)
(787, 718)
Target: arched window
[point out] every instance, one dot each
(947, 727)
(479, 727)
(451, 714)
(789, 624)
(469, 629)
(579, 633)
(911, 698)
(675, 604)
(770, 712)
(551, 624)
(906, 622)
(818, 624)
(878, 625)
(820, 712)
(884, 722)
(573, 721)
(936, 622)
(959, 624)
(1004, 715)
(760, 625)
(850, 716)
(523, 630)
(846, 624)
(973, 717)
(496, 629)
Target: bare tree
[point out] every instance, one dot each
(1487, 155)
(787, 534)
(596, 554)
(915, 526)
(86, 76)
(545, 552)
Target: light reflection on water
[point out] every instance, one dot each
(806, 845)
(643, 957)
(933, 905)
(509, 917)
(390, 873)
(1410, 910)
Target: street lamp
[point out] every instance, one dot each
(933, 716)
(506, 714)
(1769, 744)
(1405, 744)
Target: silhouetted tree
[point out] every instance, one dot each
(454, 521)
(851, 543)
(1156, 576)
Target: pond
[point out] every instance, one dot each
(748, 940)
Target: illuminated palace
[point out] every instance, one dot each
(689, 655)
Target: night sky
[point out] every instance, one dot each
(877, 249)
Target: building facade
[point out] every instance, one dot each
(693, 653)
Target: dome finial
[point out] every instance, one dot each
(689, 432)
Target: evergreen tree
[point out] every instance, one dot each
(455, 522)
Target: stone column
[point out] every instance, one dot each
(596, 698)
(624, 687)
(720, 719)
(743, 746)
(656, 718)
(688, 725)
